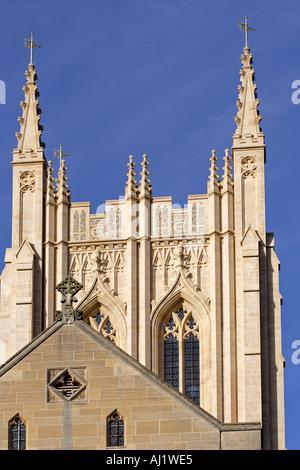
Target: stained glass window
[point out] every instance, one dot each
(191, 324)
(17, 434)
(171, 325)
(181, 313)
(103, 325)
(182, 353)
(108, 327)
(191, 368)
(171, 361)
(97, 317)
(115, 431)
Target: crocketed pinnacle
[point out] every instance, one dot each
(145, 182)
(29, 137)
(50, 180)
(131, 182)
(213, 184)
(248, 117)
(226, 183)
(62, 191)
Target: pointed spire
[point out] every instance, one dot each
(213, 181)
(248, 117)
(131, 182)
(62, 188)
(227, 183)
(50, 180)
(145, 186)
(29, 137)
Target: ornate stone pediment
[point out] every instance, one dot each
(181, 286)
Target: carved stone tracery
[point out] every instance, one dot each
(181, 324)
(108, 264)
(103, 325)
(66, 384)
(27, 181)
(248, 167)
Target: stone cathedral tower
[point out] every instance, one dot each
(191, 293)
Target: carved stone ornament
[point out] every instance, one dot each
(248, 173)
(66, 384)
(181, 324)
(248, 167)
(99, 264)
(103, 325)
(68, 315)
(68, 288)
(180, 259)
(27, 181)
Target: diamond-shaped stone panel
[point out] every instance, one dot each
(67, 384)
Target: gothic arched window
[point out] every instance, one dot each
(191, 368)
(103, 325)
(171, 361)
(17, 433)
(115, 430)
(182, 354)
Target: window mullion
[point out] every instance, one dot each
(181, 360)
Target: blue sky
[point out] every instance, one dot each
(121, 77)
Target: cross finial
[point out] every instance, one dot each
(244, 27)
(69, 288)
(29, 43)
(59, 154)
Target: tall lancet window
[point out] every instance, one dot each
(191, 368)
(115, 430)
(182, 354)
(171, 361)
(17, 433)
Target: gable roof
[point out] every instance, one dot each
(115, 351)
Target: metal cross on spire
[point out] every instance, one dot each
(244, 27)
(29, 43)
(59, 154)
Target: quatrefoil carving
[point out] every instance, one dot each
(248, 166)
(27, 181)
